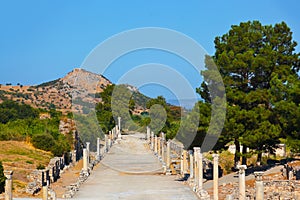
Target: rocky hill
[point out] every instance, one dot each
(59, 93)
(78, 89)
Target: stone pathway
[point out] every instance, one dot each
(131, 171)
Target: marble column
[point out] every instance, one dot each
(181, 163)
(53, 195)
(148, 134)
(119, 124)
(185, 162)
(112, 135)
(109, 142)
(159, 146)
(152, 141)
(45, 192)
(88, 152)
(85, 160)
(8, 185)
(98, 149)
(216, 176)
(109, 135)
(242, 182)
(191, 164)
(155, 144)
(168, 159)
(196, 166)
(74, 157)
(259, 185)
(106, 143)
(200, 168)
(163, 151)
(163, 136)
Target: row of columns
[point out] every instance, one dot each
(114, 134)
(192, 161)
(196, 172)
(161, 148)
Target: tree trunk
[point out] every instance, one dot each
(237, 153)
(244, 157)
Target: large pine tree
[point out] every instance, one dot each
(259, 68)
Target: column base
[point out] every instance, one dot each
(168, 172)
(203, 194)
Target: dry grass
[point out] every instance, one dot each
(22, 158)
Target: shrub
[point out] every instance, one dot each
(43, 141)
(40, 167)
(29, 162)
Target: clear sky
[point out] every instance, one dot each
(43, 40)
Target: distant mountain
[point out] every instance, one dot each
(185, 103)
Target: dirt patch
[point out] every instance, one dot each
(67, 178)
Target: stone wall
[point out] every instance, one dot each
(39, 178)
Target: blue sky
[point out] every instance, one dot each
(43, 40)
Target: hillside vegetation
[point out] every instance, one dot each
(22, 123)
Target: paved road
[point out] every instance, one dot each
(131, 171)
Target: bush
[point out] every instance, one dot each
(61, 147)
(40, 167)
(43, 141)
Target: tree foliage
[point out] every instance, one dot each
(10, 111)
(259, 69)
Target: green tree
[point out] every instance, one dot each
(256, 63)
(103, 110)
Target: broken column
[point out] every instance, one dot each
(242, 182)
(98, 149)
(216, 176)
(259, 185)
(45, 192)
(52, 195)
(8, 185)
(85, 161)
